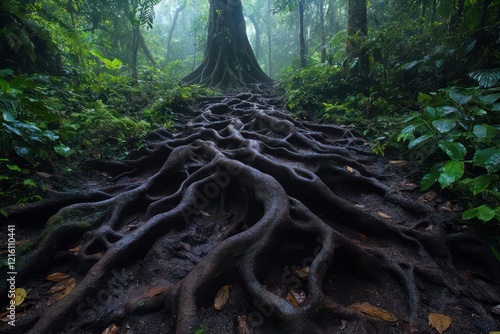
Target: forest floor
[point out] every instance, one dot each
(245, 220)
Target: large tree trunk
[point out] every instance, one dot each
(229, 59)
(357, 28)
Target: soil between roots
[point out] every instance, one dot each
(287, 226)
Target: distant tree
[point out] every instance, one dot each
(357, 28)
(229, 59)
(178, 10)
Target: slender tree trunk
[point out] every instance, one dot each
(144, 47)
(357, 28)
(269, 38)
(229, 59)
(302, 42)
(172, 29)
(135, 48)
(258, 43)
(484, 13)
(456, 15)
(322, 30)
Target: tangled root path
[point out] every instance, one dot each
(249, 221)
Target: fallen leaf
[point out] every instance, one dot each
(374, 311)
(409, 328)
(57, 277)
(20, 295)
(447, 206)
(350, 169)
(240, 323)
(343, 324)
(43, 175)
(221, 298)
(397, 162)
(440, 322)
(296, 297)
(76, 249)
(428, 196)
(155, 291)
(384, 215)
(113, 329)
(302, 273)
(363, 237)
(68, 287)
(62, 285)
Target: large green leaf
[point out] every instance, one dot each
(420, 140)
(479, 184)
(456, 151)
(429, 179)
(485, 213)
(488, 158)
(484, 132)
(452, 171)
(444, 125)
(25, 152)
(63, 150)
(458, 97)
(4, 86)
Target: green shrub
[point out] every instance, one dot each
(457, 133)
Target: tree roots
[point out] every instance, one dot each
(286, 226)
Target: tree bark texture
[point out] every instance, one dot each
(229, 59)
(357, 29)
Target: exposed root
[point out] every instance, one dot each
(295, 218)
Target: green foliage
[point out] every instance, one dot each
(457, 131)
(110, 64)
(46, 120)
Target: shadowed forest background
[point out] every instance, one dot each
(320, 123)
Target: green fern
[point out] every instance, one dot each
(147, 12)
(486, 78)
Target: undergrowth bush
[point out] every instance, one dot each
(457, 134)
(46, 119)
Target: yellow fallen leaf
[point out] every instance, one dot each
(68, 286)
(374, 311)
(397, 162)
(57, 277)
(349, 169)
(76, 249)
(303, 272)
(440, 322)
(20, 295)
(113, 329)
(221, 298)
(62, 285)
(155, 291)
(384, 215)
